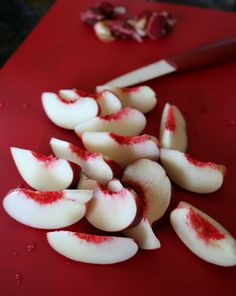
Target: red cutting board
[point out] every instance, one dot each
(64, 53)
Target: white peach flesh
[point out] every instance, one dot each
(149, 180)
(94, 165)
(127, 121)
(122, 149)
(191, 174)
(45, 173)
(68, 113)
(173, 134)
(112, 210)
(90, 248)
(46, 210)
(203, 235)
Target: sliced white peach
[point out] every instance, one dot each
(149, 180)
(122, 149)
(142, 98)
(45, 173)
(173, 134)
(46, 210)
(68, 113)
(94, 165)
(108, 102)
(143, 235)
(203, 235)
(90, 248)
(103, 31)
(86, 184)
(75, 94)
(191, 174)
(127, 121)
(113, 208)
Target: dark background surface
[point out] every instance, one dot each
(18, 18)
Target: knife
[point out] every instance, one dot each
(198, 58)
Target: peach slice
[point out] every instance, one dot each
(93, 165)
(90, 248)
(203, 235)
(191, 174)
(86, 184)
(67, 113)
(149, 180)
(46, 173)
(122, 149)
(143, 235)
(173, 134)
(108, 102)
(127, 121)
(46, 210)
(113, 208)
(103, 32)
(142, 98)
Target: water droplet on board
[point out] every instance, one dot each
(31, 247)
(2, 105)
(16, 253)
(18, 278)
(25, 105)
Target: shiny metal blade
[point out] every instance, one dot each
(143, 74)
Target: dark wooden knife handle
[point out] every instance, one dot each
(205, 56)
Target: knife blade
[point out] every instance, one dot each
(201, 57)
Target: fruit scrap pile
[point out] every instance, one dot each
(116, 183)
(108, 26)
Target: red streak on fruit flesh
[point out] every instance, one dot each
(82, 153)
(47, 159)
(200, 163)
(170, 120)
(117, 115)
(84, 94)
(90, 238)
(42, 197)
(128, 140)
(66, 101)
(205, 230)
(107, 192)
(131, 89)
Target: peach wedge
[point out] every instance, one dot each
(173, 134)
(191, 174)
(122, 149)
(46, 210)
(46, 173)
(93, 165)
(142, 97)
(203, 235)
(149, 180)
(67, 113)
(90, 248)
(127, 121)
(113, 208)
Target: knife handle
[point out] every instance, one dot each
(205, 56)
